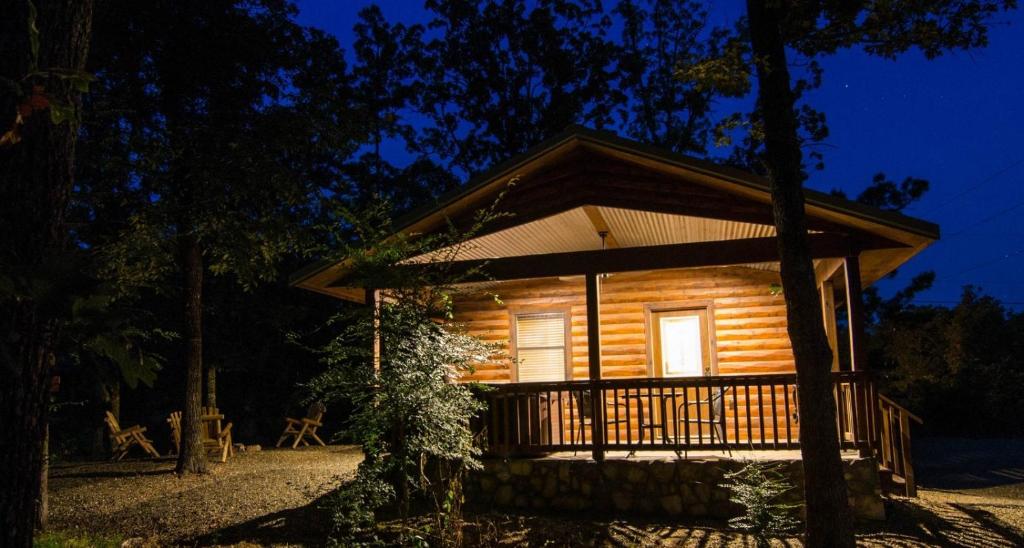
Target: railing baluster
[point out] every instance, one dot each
(789, 415)
(760, 412)
(700, 415)
(629, 418)
(686, 414)
(734, 388)
(572, 419)
(749, 418)
(675, 420)
(775, 420)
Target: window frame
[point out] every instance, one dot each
(513, 315)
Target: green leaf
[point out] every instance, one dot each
(60, 113)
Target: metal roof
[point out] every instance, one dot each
(574, 230)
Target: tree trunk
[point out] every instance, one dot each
(828, 514)
(192, 457)
(43, 505)
(35, 182)
(211, 386)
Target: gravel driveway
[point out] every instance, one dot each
(265, 495)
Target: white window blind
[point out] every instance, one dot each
(540, 347)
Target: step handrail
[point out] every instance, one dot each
(895, 432)
(902, 409)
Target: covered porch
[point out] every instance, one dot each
(621, 263)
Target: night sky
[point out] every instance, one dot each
(956, 121)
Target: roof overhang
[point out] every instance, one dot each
(906, 236)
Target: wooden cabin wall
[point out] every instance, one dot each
(749, 321)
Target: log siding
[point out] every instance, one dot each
(748, 321)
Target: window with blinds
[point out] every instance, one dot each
(540, 347)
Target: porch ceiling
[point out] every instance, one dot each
(578, 230)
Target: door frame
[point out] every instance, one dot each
(706, 306)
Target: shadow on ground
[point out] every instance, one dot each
(916, 523)
(304, 525)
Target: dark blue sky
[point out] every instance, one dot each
(957, 121)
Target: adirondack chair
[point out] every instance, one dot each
(174, 421)
(300, 428)
(216, 439)
(122, 439)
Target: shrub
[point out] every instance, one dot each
(758, 488)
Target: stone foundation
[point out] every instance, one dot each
(668, 487)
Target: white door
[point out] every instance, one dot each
(680, 347)
(681, 343)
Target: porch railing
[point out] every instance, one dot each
(754, 412)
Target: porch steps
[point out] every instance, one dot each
(892, 484)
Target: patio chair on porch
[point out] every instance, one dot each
(716, 421)
(585, 416)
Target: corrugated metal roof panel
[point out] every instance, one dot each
(634, 228)
(574, 231)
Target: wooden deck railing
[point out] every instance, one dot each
(894, 446)
(753, 412)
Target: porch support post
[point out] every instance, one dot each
(855, 314)
(372, 297)
(597, 427)
(866, 406)
(828, 314)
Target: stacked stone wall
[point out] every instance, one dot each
(669, 487)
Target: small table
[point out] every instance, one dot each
(661, 400)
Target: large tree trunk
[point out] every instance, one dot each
(35, 182)
(828, 514)
(43, 504)
(192, 457)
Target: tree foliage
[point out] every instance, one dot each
(411, 416)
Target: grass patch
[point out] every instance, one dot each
(60, 539)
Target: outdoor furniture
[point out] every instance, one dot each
(716, 419)
(122, 439)
(584, 414)
(174, 421)
(216, 439)
(306, 426)
(650, 421)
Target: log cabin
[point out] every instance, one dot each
(641, 303)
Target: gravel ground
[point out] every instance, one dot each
(262, 495)
(270, 498)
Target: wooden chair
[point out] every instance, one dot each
(174, 421)
(308, 424)
(715, 422)
(122, 439)
(216, 439)
(584, 414)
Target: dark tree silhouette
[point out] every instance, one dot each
(44, 47)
